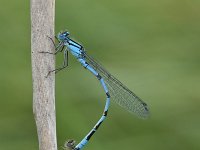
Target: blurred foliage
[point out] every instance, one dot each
(151, 46)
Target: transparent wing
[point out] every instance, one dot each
(120, 93)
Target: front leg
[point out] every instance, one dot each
(58, 48)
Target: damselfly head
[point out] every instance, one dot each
(63, 35)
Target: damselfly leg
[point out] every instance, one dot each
(65, 62)
(58, 48)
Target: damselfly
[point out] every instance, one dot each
(113, 88)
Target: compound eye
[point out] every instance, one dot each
(66, 33)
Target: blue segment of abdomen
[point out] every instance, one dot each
(85, 140)
(77, 51)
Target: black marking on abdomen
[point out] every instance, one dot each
(86, 64)
(105, 113)
(98, 125)
(90, 135)
(108, 95)
(99, 76)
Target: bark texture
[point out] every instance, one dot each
(42, 27)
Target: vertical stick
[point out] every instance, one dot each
(42, 26)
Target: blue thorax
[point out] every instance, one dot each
(75, 48)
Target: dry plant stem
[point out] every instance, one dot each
(42, 25)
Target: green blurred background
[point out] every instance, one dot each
(151, 46)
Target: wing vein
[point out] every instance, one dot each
(119, 92)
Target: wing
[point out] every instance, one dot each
(119, 92)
